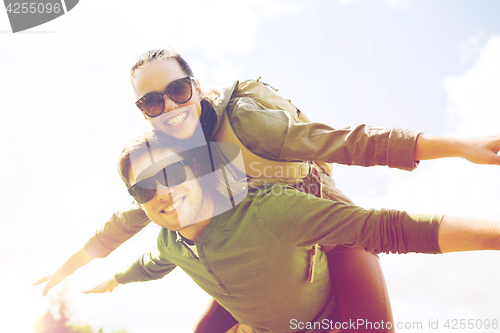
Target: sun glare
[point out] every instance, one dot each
(19, 310)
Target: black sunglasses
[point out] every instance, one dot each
(172, 175)
(180, 91)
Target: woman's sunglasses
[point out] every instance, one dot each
(180, 91)
(172, 175)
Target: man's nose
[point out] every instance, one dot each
(163, 193)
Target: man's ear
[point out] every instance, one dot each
(137, 202)
(196, 167)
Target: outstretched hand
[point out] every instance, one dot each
(77, 260)
(482, 150)
(106, 286)
(52, 281)
(479, 150)
(42, 280)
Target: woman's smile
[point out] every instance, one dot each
(176, 120)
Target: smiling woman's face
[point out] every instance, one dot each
(177, 120)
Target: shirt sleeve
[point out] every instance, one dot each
(150, 266)
(274, 134)
(300, 219)
(120, 227)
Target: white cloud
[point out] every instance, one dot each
(473, 98)
(471, 47)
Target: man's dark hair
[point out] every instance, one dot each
(152, 140)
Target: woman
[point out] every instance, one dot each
(173, 102)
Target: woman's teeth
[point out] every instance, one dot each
(177, 119)
(174, 205)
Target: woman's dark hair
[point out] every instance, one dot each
(208, 117)
(158, 55)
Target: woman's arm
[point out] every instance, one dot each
(479, 150)
(272, 134)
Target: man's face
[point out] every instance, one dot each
(174, 208)
(177, 120)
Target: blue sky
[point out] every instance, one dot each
(68, 108)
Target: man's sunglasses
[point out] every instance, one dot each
(180, 91)
(172, 175)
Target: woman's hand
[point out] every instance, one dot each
(106, 286)
(479, 150)
(482, 150)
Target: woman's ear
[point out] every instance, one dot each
(198, 89)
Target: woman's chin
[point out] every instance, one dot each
(184, 133)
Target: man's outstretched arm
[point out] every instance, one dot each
(77, 260)
(464, 234)
(152, 265)
(121, 226)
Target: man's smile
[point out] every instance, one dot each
(172, 207)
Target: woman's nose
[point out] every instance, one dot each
(169, 104)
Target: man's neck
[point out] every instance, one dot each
(206, 213)
(194, 231)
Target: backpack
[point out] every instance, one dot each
(254, 164)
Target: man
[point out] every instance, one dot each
(255, 258)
